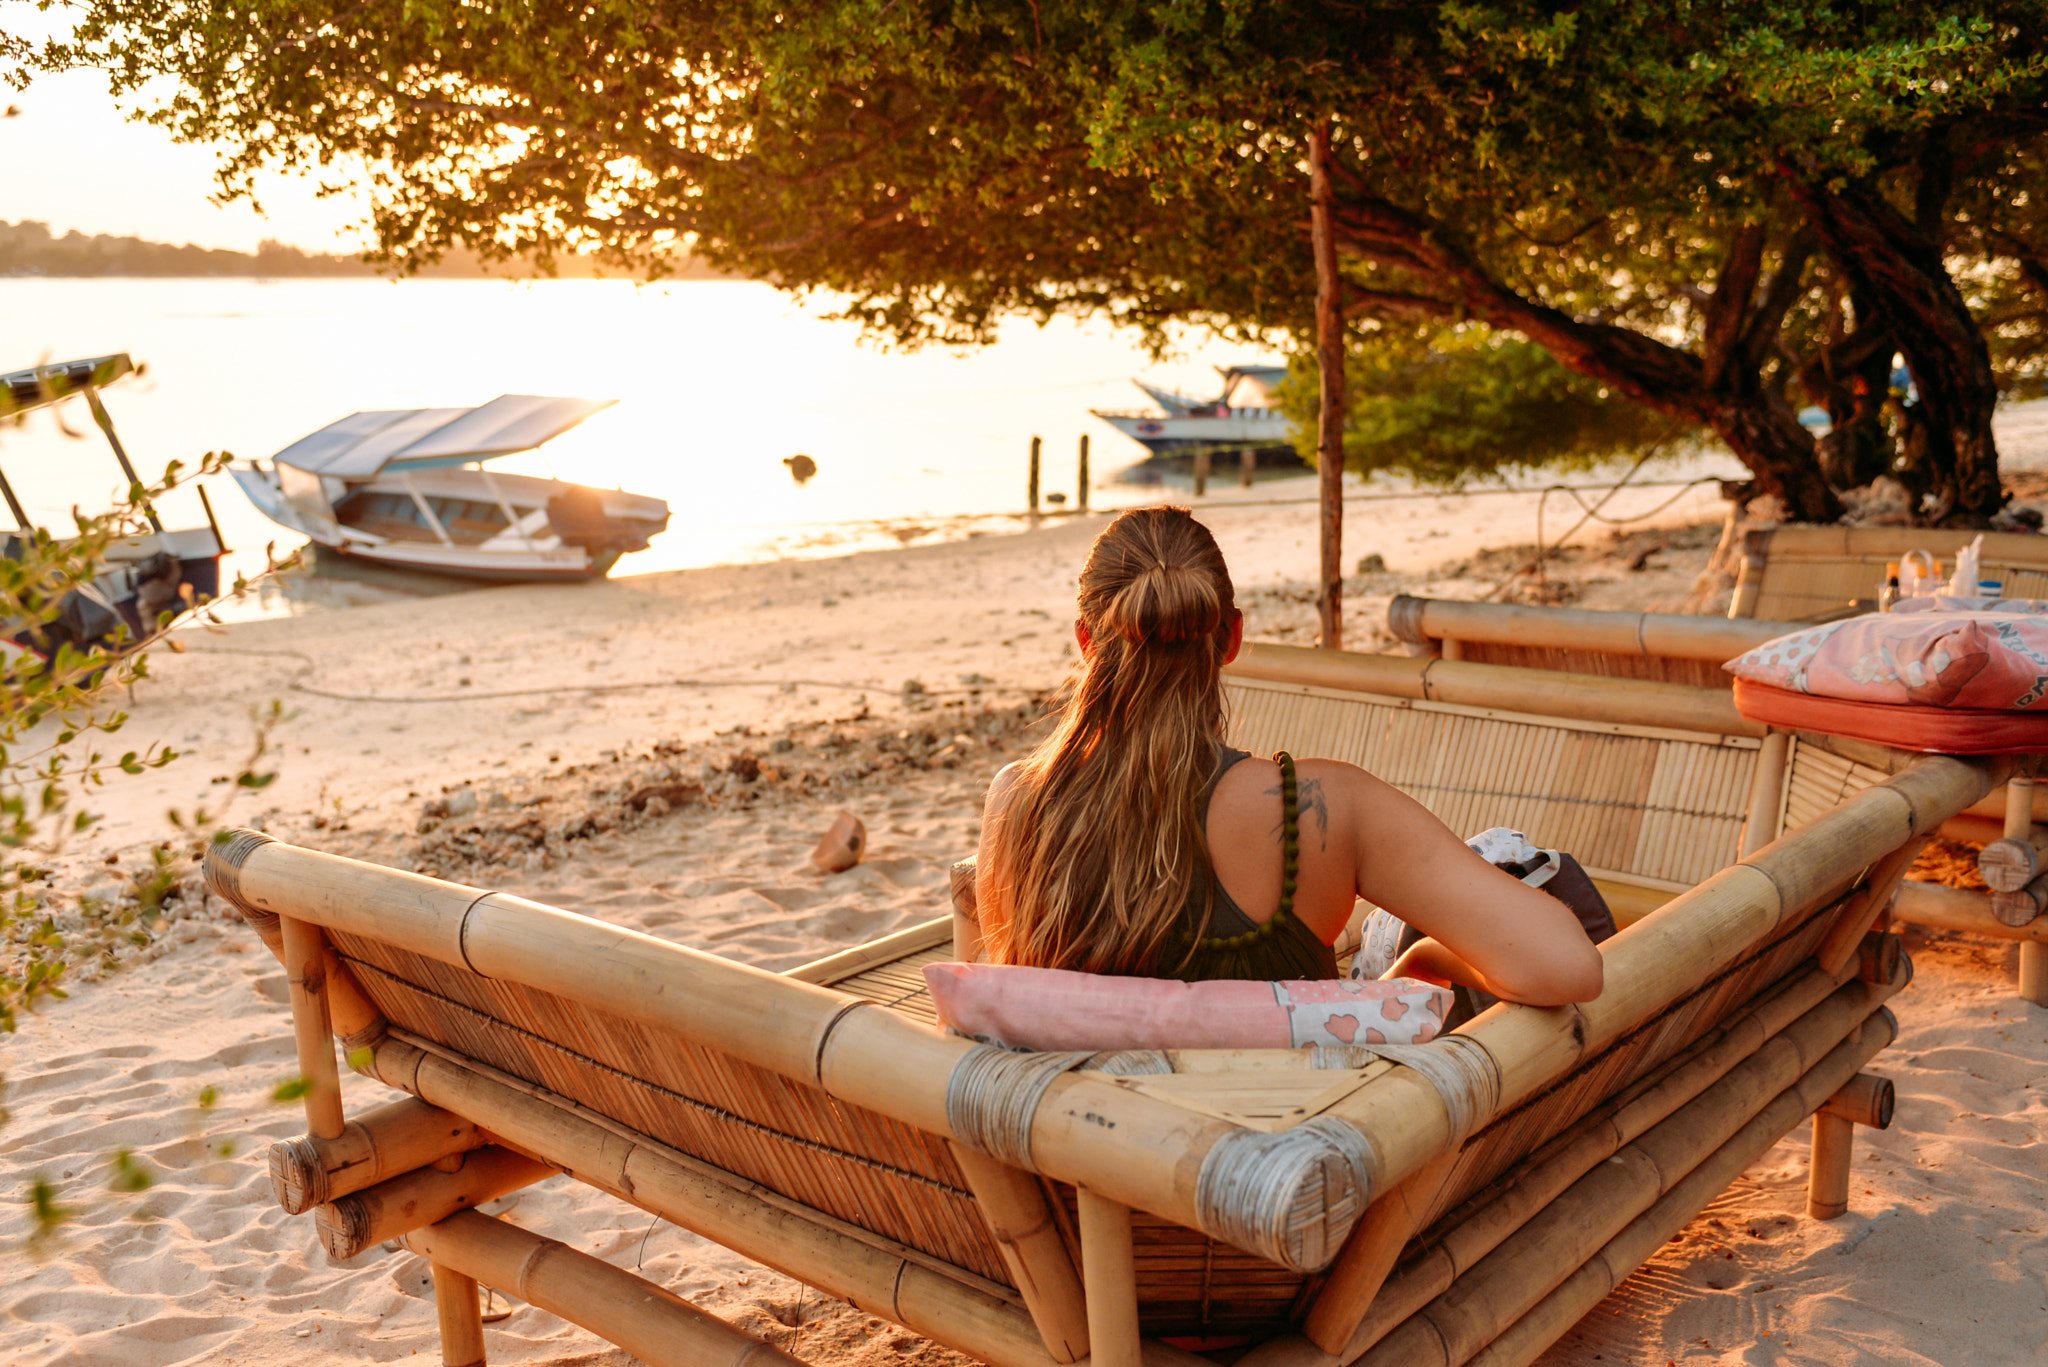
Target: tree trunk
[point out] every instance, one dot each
(1758, 426)
(1892, 262)
(1330, 364)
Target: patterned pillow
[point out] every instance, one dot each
(1050, 1008)
(1987, 661)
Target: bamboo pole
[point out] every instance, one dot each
(353, 1017)
(1646, 634)
(847, 1263)
(1940, 908)
(2019, 819)
(2011, 862)
(1589, 697)
(1628, 1250)
(305, 966)
(1749, 578)
(967, 945)
(1865, 1099)
(1861, 911)
(1014, 1205)
(650, 1322)
(1111, 1274)
(1369, 1254)
(1766, 794)
(835, 967)
(461, 1318)
(1486, 1299)
(1081, 477)
(366, 1218)
(1031, 489)
(1330, 371)
(377, 1145)
(2021, 907)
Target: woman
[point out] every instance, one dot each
(1134, 842)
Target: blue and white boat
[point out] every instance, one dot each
(1242, 416)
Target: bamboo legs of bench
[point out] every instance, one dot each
(461, 1316)
(1866, 1100)
(1110, 1271)
(2019, 823)
(305, 967)
(1369, 1255)
(1018, 1215)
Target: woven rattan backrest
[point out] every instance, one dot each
(1665, 807)
(853, 1164)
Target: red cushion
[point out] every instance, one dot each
(1904, 726)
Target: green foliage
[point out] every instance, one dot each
(56, 715)
(292, 1089)
(1648, 193)
(1467, 402)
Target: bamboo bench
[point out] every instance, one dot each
(1816, 770)
(1797, 572)
(1034, 1209)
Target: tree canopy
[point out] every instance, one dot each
(1720, 211)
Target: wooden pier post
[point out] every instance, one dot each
(1247, 465)
(1201, 471)
(1031, 496)
(1081, 478)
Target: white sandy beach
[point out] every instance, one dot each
(493, 695)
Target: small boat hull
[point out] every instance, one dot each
(469, 523)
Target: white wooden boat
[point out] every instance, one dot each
(409, 487)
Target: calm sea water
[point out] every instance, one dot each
(718, 382)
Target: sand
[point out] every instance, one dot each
(747, 705)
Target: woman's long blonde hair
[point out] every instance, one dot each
(1102, 839)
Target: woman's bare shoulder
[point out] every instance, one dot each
(1003, 786)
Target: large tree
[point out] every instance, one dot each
(1720, 211)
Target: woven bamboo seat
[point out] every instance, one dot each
(1028, 1209)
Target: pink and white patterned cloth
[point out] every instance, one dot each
(1051, 1008)
(1928, 657)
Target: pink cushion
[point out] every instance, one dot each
(1050, 1008)
(1983, 661)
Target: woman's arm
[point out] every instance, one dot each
(1495, 932)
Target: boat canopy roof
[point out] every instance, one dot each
(22, 391)
(363, 444)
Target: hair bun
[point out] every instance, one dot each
(1166, 603)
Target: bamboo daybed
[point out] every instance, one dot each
(1033, 1209)
(1797, 573)
(1819, 770)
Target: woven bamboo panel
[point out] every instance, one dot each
(848, 1162)
(1818, 780)
(1646, 804)
(899, 985)
(1698, 673)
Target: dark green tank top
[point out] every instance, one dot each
(1232, 945)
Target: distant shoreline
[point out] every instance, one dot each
(29, 250)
